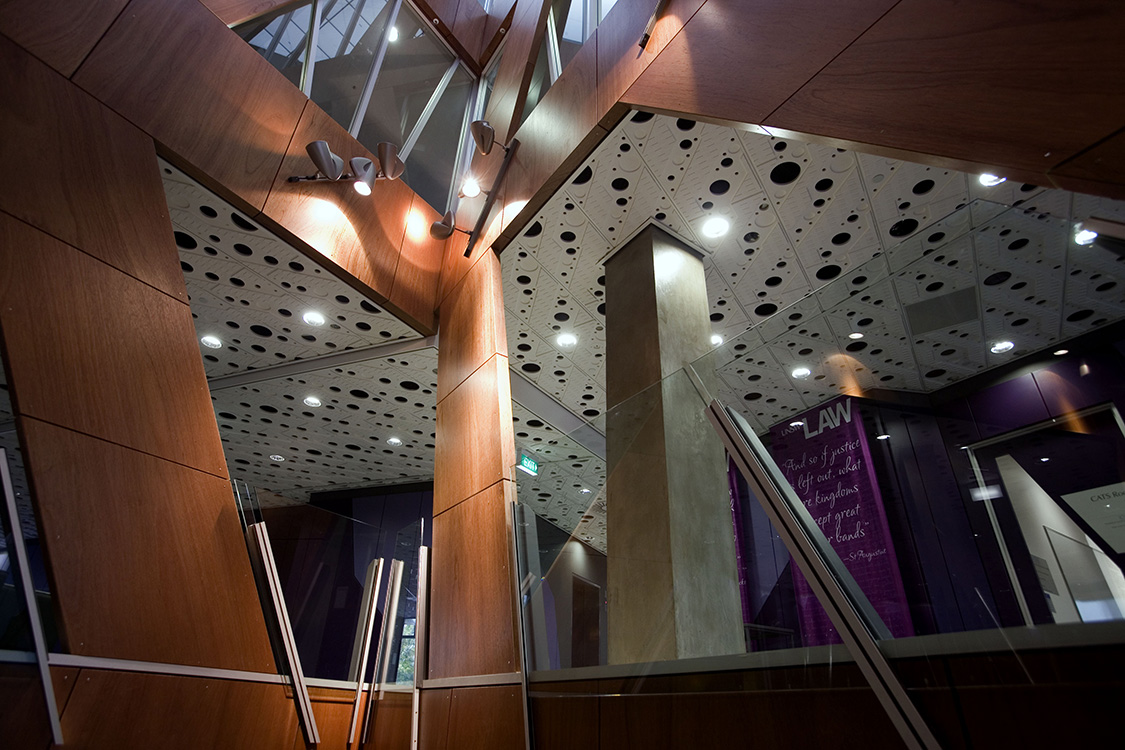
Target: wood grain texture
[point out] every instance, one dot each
(415, 288)
(147, 556)
(391, 722)
(94, 180)
(475, 443)
(620, 59)
(64, 680)
(96, 351)
(136, 710)
(468, 27)
(433, 714)
(232, 12)
(562, 723)
(454, 264)
(23, 709)
(472, 324)
(175, 70)
(333, 712)
(443, 17)
(58, 32)
(514, 75)
(1100, 170)
(499, 20)
(360, 234)
(1018, 84)
(766, 50)
(472, 613)
(486, 718)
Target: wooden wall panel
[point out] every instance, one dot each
(499, 18)
(232, 12)
(565, 723)
(391, 727)
(462, 28)
(360, 234)
(136, 710)
(433, 715)
(620, 59)
(96, 351)
(475, 447)
(999, 82)
(84, 174)
(223, 113)
(415, 289)
(23, 709)
(59, 32)
(473, 328)
(469, 26)
(147, 556)
(741, 61)
(1100, 170)
(472, 612)
(333, 712)
(486, 718)
(516, 66)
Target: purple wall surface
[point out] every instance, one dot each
(827, 460)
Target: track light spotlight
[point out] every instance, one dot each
(364, 171)
(326, 162)
(484, 135)
(390, 165)
(443, 228)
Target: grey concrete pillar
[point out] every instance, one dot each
(673, 583)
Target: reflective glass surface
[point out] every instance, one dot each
(281, 39)
(430, 164)
(349, 37)
(414, 65)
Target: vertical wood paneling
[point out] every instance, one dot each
(415, 289)
(59, 32)
(391, 727)
(333, 712)
(23, 710)
(135, 710)
(472, 612)
(94, 350)
(468, 27)
(434, 719)
(86, 175)
(514, 74)
(475, 447)
(175, 70)
(147, 557)
(486, 718)
(473, 328)
(1016, 84)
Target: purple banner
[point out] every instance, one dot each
(825, 456)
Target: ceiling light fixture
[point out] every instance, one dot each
(1000, 347)
(1084, 236)
(277, 458)
(1044, 459)
(312, 401)
(716, 226)
(566, 340)
(211, 342)
(991, 180)
(1060, 352)
(365, 171)
(394, 441)
(484, 136)
(801, 372)
(393, 35)
(798, 423)
(884, 436)
(716, 340)
(855, 335)
(313, 318)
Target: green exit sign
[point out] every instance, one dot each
(530, 465)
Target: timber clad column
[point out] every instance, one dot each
(673, 585)
(473, 633)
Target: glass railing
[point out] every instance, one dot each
(947, 448)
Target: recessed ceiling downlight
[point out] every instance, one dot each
(1083, 236)
(716, 226)
(716, 340)
(1061, 352)
(211, 342)
(312, 401)
(313, 318)
(277, 458)
(801, 372)
(991, 180)
(393, 441)
(855, 335)
(566, 340)
(884, 436)
(1000, 347)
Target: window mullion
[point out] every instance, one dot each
(351, 28)
(310, 46)
(431, 105)
(554, 59)
(376, 65)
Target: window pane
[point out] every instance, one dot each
(570, 21)
(607, 6)
(430, 164)
(490, 82)
(540, 82)
(414, 65)
(281, 39)
(349, 36)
